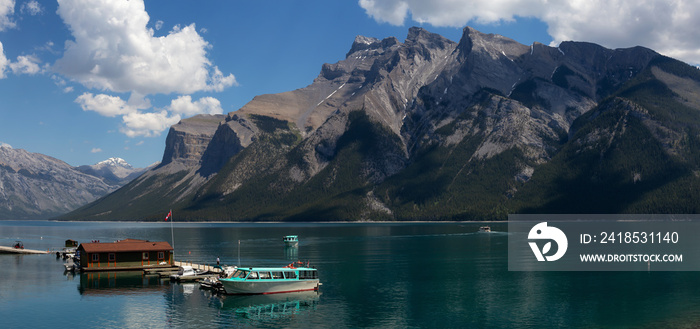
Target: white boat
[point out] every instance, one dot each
(71, 266)
(485, 229)
(213, 282)
(185, 271)
(271, 280)
(291, 241)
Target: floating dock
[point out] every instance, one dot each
(198, 266)
(13, 250)
(165, 272)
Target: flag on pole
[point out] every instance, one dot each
(170, 214)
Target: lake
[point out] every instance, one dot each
(373, 274)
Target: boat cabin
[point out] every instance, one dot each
(291, 240)
(129, 254)
(282, 273)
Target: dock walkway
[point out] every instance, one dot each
(201, 267)
(12, 250)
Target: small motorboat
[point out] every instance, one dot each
(184, 272)
(70, 266)
(291, 241)
(213, 283)
(485, 229)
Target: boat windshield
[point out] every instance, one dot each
(240, 274)
(308, 275)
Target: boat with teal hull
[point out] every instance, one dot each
(271, 280)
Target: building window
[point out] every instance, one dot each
(95, 257)
(112, 257)
(161, 255)
(145, 256)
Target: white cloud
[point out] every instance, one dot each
(136, 122)
(32, 7)
(96, 150)
(106, 105)
(185, 106)
(26, 65)
(114, 51)
(7, 8)
(669, 27)
(147, 124)
(3, 61)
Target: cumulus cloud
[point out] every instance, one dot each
(32, 8)
(3, 62)
(669, 27)
(185, 106)
(106, 105)
(114, 50)
(147, 124)
(26, 65)
(7, 8)
(135, 122)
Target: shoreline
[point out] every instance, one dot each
(254, 222)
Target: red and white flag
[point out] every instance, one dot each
(170, 214)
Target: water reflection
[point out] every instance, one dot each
(263, 307)
(96, 283)
(291, 253)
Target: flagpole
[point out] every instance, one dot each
(172, 235)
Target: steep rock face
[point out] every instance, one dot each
(187, 140)
(232, 136)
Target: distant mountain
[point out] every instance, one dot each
(36, 186)
(114, 171)
(430, 129)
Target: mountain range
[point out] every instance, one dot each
(431, 129)
(37, 186)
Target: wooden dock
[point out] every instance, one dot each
(12, 250)
(165, 272)
(198, 266)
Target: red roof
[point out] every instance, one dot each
(128, 245)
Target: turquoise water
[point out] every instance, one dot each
(373, 275)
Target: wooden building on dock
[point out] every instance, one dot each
(129, 254)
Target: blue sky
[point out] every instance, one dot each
(83, 85)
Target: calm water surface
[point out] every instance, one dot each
(373, 275)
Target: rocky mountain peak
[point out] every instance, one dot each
(362, 43)
(493, 44)
(114, 162)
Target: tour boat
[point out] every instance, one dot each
(291, 240)
(271, 280)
